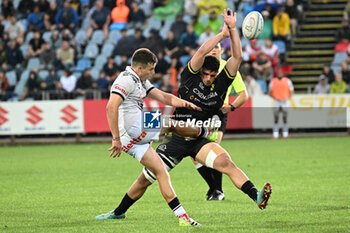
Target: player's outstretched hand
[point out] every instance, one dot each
(229, 18)
(115, 149)
(191, 106)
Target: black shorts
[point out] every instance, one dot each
(179, 147)
(223, 123)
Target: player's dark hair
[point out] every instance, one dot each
(211, 63)
(143, 57)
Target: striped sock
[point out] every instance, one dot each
(203, 132)
(176, 207)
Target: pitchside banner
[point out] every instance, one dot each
(41, 117)
(305, 111)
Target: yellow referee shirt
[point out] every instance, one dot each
(237, 84)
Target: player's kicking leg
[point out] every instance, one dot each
(214, 156)
(153, 163)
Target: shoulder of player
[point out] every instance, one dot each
(129, 76)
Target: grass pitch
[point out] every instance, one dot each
(62, 188)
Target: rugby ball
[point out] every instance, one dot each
(252, 25)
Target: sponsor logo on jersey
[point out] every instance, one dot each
(133, 141)
(152, 119)
(203, 96)
(121, 90)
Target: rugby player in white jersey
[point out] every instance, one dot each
(124, 113)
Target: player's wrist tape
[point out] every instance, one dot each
(232, 107)
(116, 139)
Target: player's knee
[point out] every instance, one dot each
(161, 174)
(224, 164)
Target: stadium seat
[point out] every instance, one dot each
(5, 22)
(97, 37)
(263, 85)
(80, 37)
(44, 74)
(12, 78)
(165, 29)
(339, 58)
(130, 32)
(16, 3)
(113, 37)
(260, 42)
(24, 49)
(107, 49)
(47, 36)
(86, 23)
(33, 63)
(20, 85)
(184, 60)
(281, 46)
(83, 63)
(203, 19)
(336, 69)
(187, 19)
(77, 74)
(91, 51)
(29, 36)
(95, 73)
(118, 60)
(100, 61)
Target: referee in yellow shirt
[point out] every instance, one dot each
(212, 176)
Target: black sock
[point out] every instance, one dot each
(124, 205)
(218, 179)
(249, 189)
(176, 207)
(207, 176)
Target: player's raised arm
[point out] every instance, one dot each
(234, 61)
(198, 58)
(169, 99)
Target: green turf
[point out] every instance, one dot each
(62, 188)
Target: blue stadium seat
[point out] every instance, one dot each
(33, 63)
(24, 49)
(339, 58)
(20, 85)
(107, 49)
(95, 73)
(113, 37)
(83, 63)
(44, 74)
(263, 85)
(281, 46)
(12, 78)
(91, 51)
(118, 60)
(80, 37)
(29, 36)
(97, 37)
(100, 61)
(47, 36)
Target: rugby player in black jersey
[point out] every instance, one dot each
(202, 85)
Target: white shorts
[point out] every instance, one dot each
(138, 145)
(280, 106)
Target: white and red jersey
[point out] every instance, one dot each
(272, 52)
(129, 86)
